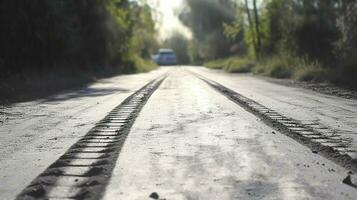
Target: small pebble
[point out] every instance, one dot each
(347, 180)
(154, 195)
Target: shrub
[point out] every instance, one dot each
(233, 65)
(309, 72)
(239, 65)
(138, 64)
(278, 67)
(217, 64)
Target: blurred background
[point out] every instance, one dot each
(47, 45)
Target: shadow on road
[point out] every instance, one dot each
(85, 92)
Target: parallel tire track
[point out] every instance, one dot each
(85, 169)
(331, 146)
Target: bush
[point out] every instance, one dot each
(143, 65)
(233, 65)
(239, 65)
(138, 64)
(46, 35)
(310, 72)
(217, 64)
(277, 67)
(291, 67)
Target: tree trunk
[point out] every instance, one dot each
(257, 25)
(250, 21)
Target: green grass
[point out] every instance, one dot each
(233, 65)
(216, 64)
(277, 67)
(143, 65)
(136, 64)
(310, 73)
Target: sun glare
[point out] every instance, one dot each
(166, 17)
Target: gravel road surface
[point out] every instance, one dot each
(189, 141)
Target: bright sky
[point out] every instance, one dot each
(167, 19)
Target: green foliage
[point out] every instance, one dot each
(137, 64)
(86, 34)
(135, 35)
(278, 67)
(216, 64)
(233, 65)
(234, 30)
(290, 67)
(305, 40)
(310, 73)
(196, 57)
(271, 28)
(144, 35)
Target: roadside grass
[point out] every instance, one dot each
(289, 67)
(142, 65)
(216, 64)
(310, 72)
(277, 67)
(274, 67)
(233, 65)
(31, 85)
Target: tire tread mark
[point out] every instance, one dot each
(84, 170)
(333, 146)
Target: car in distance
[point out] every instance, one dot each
(165, 57)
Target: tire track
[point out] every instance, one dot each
(328, 144)
(85, 169)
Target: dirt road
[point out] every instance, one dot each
(201, 135)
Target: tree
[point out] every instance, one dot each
(88, 34)
(257, 27)
(252, 32)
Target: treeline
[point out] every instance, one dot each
(42, 35)
(302, 39)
